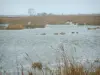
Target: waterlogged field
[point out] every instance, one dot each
(41, 44)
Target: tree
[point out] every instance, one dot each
(50, 14)
(42, 14)
(31, 11)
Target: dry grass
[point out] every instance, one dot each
(41, 21)
(92, 28)
(53, 19)
(37, 65)
(69, 67)
(73, 68)
(14, 27)
(30, 73)
(34, 26)
(79, 70)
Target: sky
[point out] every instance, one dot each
(20, 7)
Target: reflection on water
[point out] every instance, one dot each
(78, 42)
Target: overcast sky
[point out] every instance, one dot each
(20, 7)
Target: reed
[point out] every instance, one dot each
(71, 68)
(30, 73)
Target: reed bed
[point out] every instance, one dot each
(71, 68)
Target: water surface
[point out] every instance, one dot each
(15, 43)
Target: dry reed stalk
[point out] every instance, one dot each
(30, 73)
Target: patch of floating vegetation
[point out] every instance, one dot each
(91, 28)
(43, 34)
(62, 33)
(73, 32)
(55, 33)
(77, 32)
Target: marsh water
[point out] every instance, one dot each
(41, 44)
